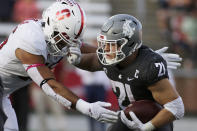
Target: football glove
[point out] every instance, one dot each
(97, 111)
(74, 55)
(171, 59)
(136, 124)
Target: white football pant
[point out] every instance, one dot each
(11, 123)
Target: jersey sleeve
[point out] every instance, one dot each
(156, 71)
(30, 38)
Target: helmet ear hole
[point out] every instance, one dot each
(43, 24)
(130, 45)
(135, 22)
(55, 33)
(48, 21)
(64, 3)
(73, 12)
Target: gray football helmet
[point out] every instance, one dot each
(121, 35)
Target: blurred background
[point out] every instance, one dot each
(171, 23)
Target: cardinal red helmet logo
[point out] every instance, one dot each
(102, 37)
(60, 15)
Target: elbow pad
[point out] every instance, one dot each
(176, 107)
(38, 79)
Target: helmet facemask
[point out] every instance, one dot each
(110, 51)
(58, 44)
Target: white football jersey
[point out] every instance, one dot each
(29, 37)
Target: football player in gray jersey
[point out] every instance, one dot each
(136, 73)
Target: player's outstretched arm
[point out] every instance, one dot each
(87, 48)
(42, 76)
(74, 55)
(88, 61)
(173, 60)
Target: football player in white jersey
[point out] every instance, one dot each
(33, 48)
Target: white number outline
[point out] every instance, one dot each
(125, 91)
(162, 69)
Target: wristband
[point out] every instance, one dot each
(148, 126)
(83, 106)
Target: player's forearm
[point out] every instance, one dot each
(86, 48)
(89, 62)
(172, 110)
(65, 93)
(44, 78)
(162, 118)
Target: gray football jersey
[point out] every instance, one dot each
(131, 83)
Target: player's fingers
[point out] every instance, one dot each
(127, 122)
(162, 50)
(172, 57)
(123, 117)
(172, 67)
(134, 117)
(109, 112)
(108, 120)
(104, 104)
(173, 64)
(110, 117)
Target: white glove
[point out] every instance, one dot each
(136, 124)
(97, 111)
(172, 59)
(74, 55)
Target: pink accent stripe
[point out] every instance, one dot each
(82, 22)
(34, 65)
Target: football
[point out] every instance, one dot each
(145, 110)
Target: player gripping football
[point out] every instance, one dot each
(136, 73)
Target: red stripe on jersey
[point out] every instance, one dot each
(34, 65)
(3, 43)
(82, 22)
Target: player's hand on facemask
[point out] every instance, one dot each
(74, 55)
(98, 111)
(172, 59)
(136, 124)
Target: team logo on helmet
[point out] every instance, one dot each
(102, 37)
(60, 15)
(127, 30)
